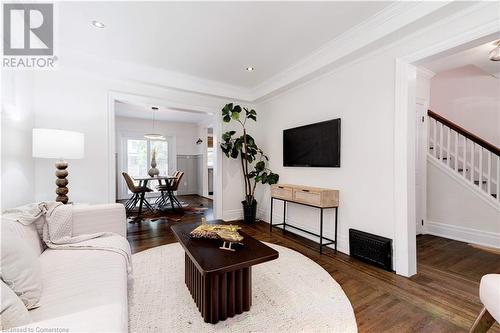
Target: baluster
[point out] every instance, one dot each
(440, 141)
(488, 178)
(480, 182)
(498, 178)
(472, 171)
(456, 151)
(464, 165)
(434, 140)
(448, 155)
(428, 126)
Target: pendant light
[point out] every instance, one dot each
(153, 135)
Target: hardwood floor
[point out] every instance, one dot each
(442, 297)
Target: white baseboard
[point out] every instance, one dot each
(474, 236)
(233, 214)
(343, 242)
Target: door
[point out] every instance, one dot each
(421, 167)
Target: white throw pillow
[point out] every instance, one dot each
(13, 313)
(20, 266)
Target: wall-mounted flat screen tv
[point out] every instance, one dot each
(314, 145)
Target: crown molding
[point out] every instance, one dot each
(73, 60)
(387, 21)
(383, 23)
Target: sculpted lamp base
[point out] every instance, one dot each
(61, 181)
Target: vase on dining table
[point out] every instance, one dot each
(153, 171)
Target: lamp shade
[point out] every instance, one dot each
(53, 143)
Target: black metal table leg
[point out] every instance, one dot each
(271, 217)
(321, 232)
(336, 224)
(284, 216)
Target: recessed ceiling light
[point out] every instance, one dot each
(250, 69)
(98, 24)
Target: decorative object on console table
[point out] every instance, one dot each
(153, 171)
(245, 148)
(322, 198)
(58, 144)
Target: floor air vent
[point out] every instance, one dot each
(373, 249)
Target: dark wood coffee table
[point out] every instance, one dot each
(220, 281)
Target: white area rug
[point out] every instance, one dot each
(290, 294)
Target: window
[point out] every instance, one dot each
(139, 153)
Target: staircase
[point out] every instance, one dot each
(472, 158)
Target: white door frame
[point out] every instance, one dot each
(421, 164)
(114, 96)
(405, 253)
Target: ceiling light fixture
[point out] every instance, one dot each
(98, 24)
(153, 135)
(494, 54)
(250, 69)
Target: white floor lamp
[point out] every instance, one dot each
(61, 145)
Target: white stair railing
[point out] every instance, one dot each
(476, 160)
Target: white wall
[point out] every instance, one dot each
(181, 136)
(185, 134)
(471, 98)
(18, 172)
(362, 93)
(365, 176)
(202, 132)
(73, 100)
(455, 211)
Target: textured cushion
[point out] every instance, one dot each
(28, 233)
(84, 290)
(20, 265)
(489, 292)
(13, 312)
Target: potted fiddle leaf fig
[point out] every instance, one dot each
(252, 158)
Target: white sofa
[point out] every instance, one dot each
(82, 290)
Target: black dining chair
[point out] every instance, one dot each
(167, 191)
(138, 195)
(163, 200)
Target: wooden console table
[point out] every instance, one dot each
(317, 197)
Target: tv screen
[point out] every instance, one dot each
(314, 145)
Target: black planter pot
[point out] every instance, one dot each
(249, 212)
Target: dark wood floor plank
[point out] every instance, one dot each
(442, 297)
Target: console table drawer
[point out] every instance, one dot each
(307, 197)
(282, 192)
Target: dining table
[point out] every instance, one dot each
(162, 180)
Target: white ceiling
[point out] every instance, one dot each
(143, 111)
(210, 40)
(477, 56)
